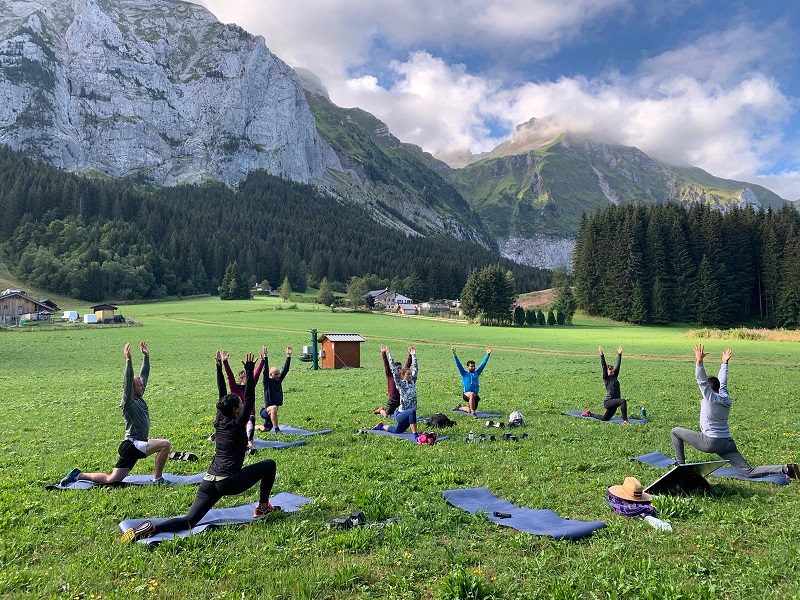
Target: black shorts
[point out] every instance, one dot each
(128, 455)
(466, 401)
(392, 406)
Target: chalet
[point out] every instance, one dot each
(104, 313)
(407, 309)
(16, 304)
(341, 350)
(388, 299)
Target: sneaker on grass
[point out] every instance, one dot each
(71, 477)
(141, 531)
(263, 509)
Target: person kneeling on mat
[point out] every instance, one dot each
(393, 396)
(614, 399)
(136, 415)
(406, 382)
(273, 390)
(226, 476)
(237, 386)
(470, 381)
(714, 436)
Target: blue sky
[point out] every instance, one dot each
(714, 84)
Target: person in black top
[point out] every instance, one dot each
(614, 398)
(226, 476)
(273, 391)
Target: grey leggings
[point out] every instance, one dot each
(724, 447)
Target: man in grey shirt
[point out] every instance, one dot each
(714, 436)
(136, 415)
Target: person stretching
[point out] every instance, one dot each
(469, 378)
(393, 396)
(614, 399)
(406, 382)
(226, 476)
(136, 415)
(714, 436)
(273, 390)
(237, 386)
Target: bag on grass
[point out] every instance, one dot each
(440, 420)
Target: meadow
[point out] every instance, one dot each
(59, 394)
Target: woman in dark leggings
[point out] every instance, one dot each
(614, 399)
(225, 477)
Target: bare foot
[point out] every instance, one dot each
(260, 428)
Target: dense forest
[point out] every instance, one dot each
(672, 263)
(101, 238)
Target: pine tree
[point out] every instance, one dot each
(787, 309)
(660, 303)
(551, 318)
(560, 320)
(540, 318)
(638, 306)
(530, 317)
(229, 287)
(325, 296)
(708, 295)
(519, 316)
(286, 289)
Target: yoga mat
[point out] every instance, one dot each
(276, 445)
(408, 436)
(529, 520)
(478, 414)
(577, 413)
(133, 480)
(298, 431)
(656, 459)
(219, 516)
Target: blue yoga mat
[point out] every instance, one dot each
(478, 414)
(219, 516)
(298, 431)
(408, 436)
(656, 459)
(133, 480)
(276, 445)
(529, 520)
(577, 413)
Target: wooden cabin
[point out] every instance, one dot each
(14, 304)
(341, 350)
(104, 312)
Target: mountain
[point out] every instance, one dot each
(532, 190)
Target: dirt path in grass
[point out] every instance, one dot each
(520, 349)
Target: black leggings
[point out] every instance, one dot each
(211, 491)
(611, 407)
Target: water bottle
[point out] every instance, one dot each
(658, 523)
(643, 412)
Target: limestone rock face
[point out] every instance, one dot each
(157, 89)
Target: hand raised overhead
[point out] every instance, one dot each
(126, 352)
(699, 353)
(726, 356)
(143, 348)
(619, 349)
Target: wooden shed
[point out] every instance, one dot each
(104, 312)
(16, 303)
(341, 350)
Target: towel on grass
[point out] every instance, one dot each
(656, 459)
(577, 413)
(529, 520)
(133, 480)
(219, 516)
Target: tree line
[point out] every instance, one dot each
(672, 263)
(101, 238)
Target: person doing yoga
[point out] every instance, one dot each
(714, 436)
(273, 391)
(469, 379)
(226, 476)
(393, 396)
(136, 415)
(614, 399)
(406, 382)
(237, 386)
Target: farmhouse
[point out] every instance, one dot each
(388, 299)
(16, 305)
(341, 350)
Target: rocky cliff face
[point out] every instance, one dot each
(153, 88)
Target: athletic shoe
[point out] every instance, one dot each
(458, 406)
(586, 413)
(251, 450)
(378, 427)
(187, 456)
(792, 471)
(212, 437)
(71, 477)
(160, 481)
(262, 510)
(133, 534)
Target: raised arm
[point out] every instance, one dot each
(144, 372)
(221, 390)
(723, 371)
(387, 371)
(702, 379)
(414, 364)
(619, 361)
(127, 378)
(459, 366)
(259, 369)
(408, 362)
(249, 390)
(480, 367)
(232, 382)
(286, 364)
(603, 364)
(395, 374)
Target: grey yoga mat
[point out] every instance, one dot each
(477, 414)
(529, 520)
(219, 516)
(408, 436)
(656, 459)
(577, 413)
(299, 431)
(133, 480)
(276, 445)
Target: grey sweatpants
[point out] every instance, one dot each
(724, 447)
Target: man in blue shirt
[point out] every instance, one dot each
(469, 378)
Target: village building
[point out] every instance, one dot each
(16, 305)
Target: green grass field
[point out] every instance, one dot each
(60, 389)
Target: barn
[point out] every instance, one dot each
(14, 304)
